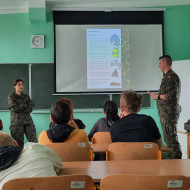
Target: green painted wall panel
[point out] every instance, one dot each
(37, 14)
(177, 32)
(15, 39)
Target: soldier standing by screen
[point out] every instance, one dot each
(21, 106)
(168, 105)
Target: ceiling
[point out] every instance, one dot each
(8, 6)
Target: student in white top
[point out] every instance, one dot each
(33, 160)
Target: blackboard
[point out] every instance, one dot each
(42, 88)
(8, 73)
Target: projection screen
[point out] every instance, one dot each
(107, 58)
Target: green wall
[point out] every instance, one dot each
(177, 32)
(15, 39)
(15, 47)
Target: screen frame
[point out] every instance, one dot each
(102, 18)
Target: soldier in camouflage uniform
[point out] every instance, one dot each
(168, 105)
(21, 106)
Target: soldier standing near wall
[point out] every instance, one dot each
(168, 105)
(21, 106)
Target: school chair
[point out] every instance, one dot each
(137, 182)
(72, 151)
(133, 151)
(101, 138)
(64, 182)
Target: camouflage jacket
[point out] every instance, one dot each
(170, 87)
(20, 106)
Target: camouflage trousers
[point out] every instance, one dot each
(169, 127)
(18, 131)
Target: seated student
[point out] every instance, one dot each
(32, 160)
(60, 130)
(133, 127)
(73, 122)
(104, 124)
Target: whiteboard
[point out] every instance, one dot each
(182, 68)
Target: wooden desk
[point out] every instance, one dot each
(99, 148)
(188, 146)
(98, 169)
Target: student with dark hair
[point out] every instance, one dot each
(134, 127)
(21, 106)
(77, 123)
(60, 130)
(104, 124)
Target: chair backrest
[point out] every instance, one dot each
(72, 151)
(101, 138)
(65, 182)
(134, 182)
(133, 151)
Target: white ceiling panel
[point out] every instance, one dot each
(22, 5)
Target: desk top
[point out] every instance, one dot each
(98, 169)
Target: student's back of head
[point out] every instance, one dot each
(69, 102)
(130, 101)
(111, 111)
(5, 139)
(60, 112)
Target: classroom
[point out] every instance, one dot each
(21, 20)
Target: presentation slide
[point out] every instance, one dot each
(107, 58)
(104, 58)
